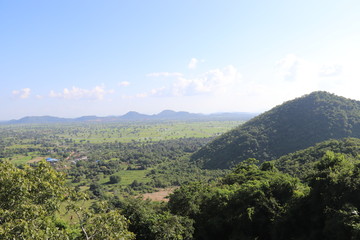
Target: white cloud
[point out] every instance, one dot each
(288, 66)
(214, 81)
(141, 95)
(193, 63)
(301, 76)
(164, 74)
(97, 93)
(297, 76)
(224, 89)
(330, 70)
(124, 84)
(305, 72)
(152, 92)
(23, 93)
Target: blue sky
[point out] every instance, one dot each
(74, 58)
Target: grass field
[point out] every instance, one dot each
(21, 144)
(147, 131)
(128, 176)
(31, 157)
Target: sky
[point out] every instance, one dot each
(76, 58)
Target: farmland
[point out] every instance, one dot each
(144, 156)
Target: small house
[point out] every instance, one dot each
(52, 160)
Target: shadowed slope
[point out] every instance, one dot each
(294, 125)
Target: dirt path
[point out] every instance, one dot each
(71, 154)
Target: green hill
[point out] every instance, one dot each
(292, 126)
(301, 163)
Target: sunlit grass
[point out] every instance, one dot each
(128, 176)
(149, 131)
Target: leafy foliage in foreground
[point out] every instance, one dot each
(244, 205)
(255, 202)
(29, 199)
(331, 209)
(287, 128)
(152, 221)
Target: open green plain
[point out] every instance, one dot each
(145, 155)
(145, 131)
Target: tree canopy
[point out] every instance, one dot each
(31, 197)
(260, 202)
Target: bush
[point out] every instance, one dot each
(115, 179)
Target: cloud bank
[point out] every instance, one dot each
(193, 63)
(124, 84)
(23, 93)
(164, 74)
(214, 81)
(97, 93)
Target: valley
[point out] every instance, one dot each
(289, 173)
(143, 154)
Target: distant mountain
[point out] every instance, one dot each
(135, 116)
(38, 119)
(87, 118)
(169, 114)
(292, 126)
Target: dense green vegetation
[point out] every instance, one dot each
(144, 156)
(302, 163)
(105, 163)
(292, 126)
(30, 197)
(259, 202)
(93, 189)
(251, 202)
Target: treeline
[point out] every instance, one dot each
(143, 153)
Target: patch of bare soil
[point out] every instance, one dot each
(37, 159)
(160, 195)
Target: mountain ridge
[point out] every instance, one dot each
(134, 116)
(289, 127)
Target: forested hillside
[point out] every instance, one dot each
(289, 127)
(302, 163)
